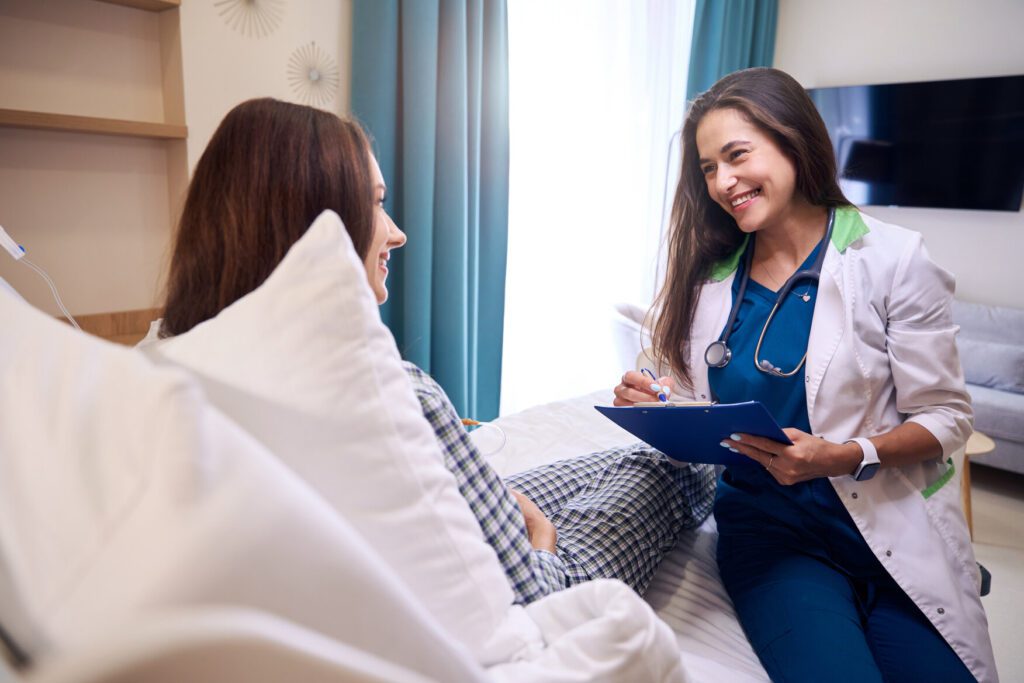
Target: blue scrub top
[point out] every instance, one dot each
(749, 500)
(785, 343)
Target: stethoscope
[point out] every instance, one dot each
(718, 354)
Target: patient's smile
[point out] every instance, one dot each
(386, 237)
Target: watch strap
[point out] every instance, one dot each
(868, 460)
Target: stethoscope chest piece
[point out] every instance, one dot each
(718, 354)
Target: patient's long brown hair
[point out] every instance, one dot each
(701, 232)
(269, 170)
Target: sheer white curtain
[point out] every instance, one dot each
(597, 89)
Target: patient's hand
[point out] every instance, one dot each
(637, 387)
(538, 527)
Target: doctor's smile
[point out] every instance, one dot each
(741, 202)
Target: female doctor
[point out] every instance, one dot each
(845, 552)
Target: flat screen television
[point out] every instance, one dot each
(955, 144)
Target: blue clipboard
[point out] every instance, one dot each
(693, 433)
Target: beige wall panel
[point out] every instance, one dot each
(92, 211)
(837, 42)
(78, 57)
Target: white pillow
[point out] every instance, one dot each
(5, 287)
(304, 364)
(124, 494)
(600, 631)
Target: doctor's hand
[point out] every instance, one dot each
(636, 387)
(538, 527)
(809, 457)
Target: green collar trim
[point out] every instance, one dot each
(724, 269)
(849, 227)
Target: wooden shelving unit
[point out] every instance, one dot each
(107, 171)
(13, 118)
(148, 5)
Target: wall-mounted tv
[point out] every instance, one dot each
(955, 144)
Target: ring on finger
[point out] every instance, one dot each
(771, 461)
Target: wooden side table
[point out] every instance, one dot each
(978, 444)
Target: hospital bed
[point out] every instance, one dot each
(234, 644)
(210, 513)
(686, 591)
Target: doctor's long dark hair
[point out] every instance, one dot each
(268, 171)
(701, 232)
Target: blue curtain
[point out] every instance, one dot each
(430, 83)
(729, 35)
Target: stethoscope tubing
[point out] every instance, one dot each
(718, 354)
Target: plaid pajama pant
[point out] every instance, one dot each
(616, 512)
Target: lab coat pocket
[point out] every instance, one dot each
(942, 502)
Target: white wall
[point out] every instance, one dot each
(223, 67)
(837, 42)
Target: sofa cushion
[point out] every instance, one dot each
(993, 364)
(305, 364)
(1000, 414)
(992, 323)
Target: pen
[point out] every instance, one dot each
(655, 386)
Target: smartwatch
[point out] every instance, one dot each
(869, 464)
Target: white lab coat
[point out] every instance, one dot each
(882, 352)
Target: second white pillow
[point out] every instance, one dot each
(304, 364)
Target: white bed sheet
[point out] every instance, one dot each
(686, 591)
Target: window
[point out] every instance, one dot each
(597, 89)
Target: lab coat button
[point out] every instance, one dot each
(854, 494)
(888, 553)
(703, 396)
(941, 611)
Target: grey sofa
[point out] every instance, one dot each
(991, 343)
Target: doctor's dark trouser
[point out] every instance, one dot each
(816, 604)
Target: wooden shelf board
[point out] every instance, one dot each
(121, 327)
(148, 5)
(14, 118)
